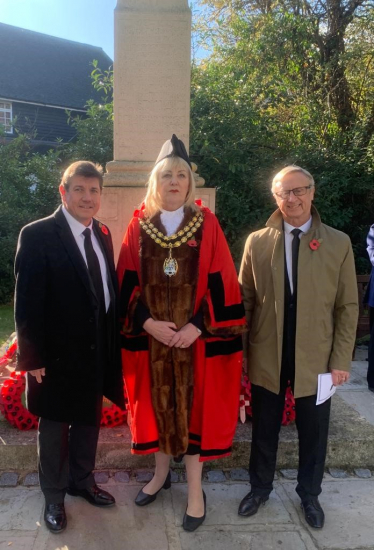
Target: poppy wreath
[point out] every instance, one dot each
(289, 413)
(11, 405)
(14, 411)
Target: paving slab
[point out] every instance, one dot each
(224, 540)
(348, 507)
(12, 540)
(20, 508)
(123, 527)
(222, 506)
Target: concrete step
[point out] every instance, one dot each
(351, 445)
(351, 437)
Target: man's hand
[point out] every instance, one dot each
(339, 377)
(163, 331)
(185, 337)
(38, 373)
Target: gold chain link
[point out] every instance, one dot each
(186, 233)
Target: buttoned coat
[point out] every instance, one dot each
(327, 307)
(56, 312)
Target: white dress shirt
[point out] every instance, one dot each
(172, 220)
(288, 238)
(77, 229)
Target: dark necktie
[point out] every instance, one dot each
(295, 257)
(94, 267)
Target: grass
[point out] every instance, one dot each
(6, 323)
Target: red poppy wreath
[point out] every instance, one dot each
(12, 407)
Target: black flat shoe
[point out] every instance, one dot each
(313, 513)
(94, 495)
(250, 504)
(55, 517)
(190, 523)
(142, 499)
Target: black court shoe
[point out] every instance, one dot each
(191, 523)
(142, 499)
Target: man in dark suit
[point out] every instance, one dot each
(66, 321)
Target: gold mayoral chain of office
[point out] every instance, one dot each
(175, 240)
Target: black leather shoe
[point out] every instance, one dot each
(94, 495)
(190, 523)
(371, 389)
(250, 504)
(55, 517)
(313, 512)
(142, 499)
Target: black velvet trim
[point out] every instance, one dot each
(130, 281)
(195, 437)
(215, 452)
(198, 319)
(193, 449)
(144, 446)
(224, 347)
(141, 315)
(217, 291)
(136, 343)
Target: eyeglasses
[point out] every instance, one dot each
(298, 192)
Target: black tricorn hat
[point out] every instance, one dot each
(173, 147)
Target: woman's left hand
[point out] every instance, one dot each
(185, 337)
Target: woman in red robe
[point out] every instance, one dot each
(182, 320)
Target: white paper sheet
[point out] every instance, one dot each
(325, 388)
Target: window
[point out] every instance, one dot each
(6, 116)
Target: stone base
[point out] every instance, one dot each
(118, 205)
(351, 445)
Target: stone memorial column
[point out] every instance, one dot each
(152, 48)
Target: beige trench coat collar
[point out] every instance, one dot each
(276, 220)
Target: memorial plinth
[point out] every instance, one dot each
(152, 50)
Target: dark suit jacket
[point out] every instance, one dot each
(57, 323)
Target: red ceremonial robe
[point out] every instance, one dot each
(182, 400)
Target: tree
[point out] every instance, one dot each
(94, 140)
(28, 190)
(329, 23)
(264, 99)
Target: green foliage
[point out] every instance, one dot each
(29, 180)
(94, 139)
(262, 101)
(28, 190)
(6, 323)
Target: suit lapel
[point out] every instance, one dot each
(72, 250)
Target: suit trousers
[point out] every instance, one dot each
(66, 457)
(370, 374)
(312, 424)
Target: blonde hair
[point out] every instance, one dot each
(152, 199)
(287, 170)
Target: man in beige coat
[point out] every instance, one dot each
(300, 295)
